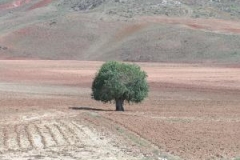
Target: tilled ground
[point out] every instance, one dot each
(46, 112)
(51, 136)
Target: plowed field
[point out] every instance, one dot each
(46, 112)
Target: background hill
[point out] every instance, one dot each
(206, 31)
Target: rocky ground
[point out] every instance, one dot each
(179, 8)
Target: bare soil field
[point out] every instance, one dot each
(131, 30)
(46, 112)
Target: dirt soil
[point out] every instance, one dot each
(46, 112)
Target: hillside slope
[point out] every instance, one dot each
(130, 30)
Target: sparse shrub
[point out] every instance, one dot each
(120, 82)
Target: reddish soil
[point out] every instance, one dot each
(40, 4)
(128, 31)
(192, 110)
(19, 3)
(14, 4)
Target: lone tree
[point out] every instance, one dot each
(119, 82)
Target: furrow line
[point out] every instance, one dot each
(78, 130)
(60, 129)
(48, 139)
(51, 135)
(16, 129)
(29, 136)
(35, 138)
(43, 140)
(85, 137)
(11, 138)
(57, 136)
(5, 137)
(24, 142)
(71, 132)
(1, 139)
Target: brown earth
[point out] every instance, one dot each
(46, 111)
(40, 4)
(192, 112)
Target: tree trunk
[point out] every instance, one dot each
(119, 105)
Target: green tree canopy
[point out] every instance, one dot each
(118, 82)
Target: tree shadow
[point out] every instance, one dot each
(90, 109)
